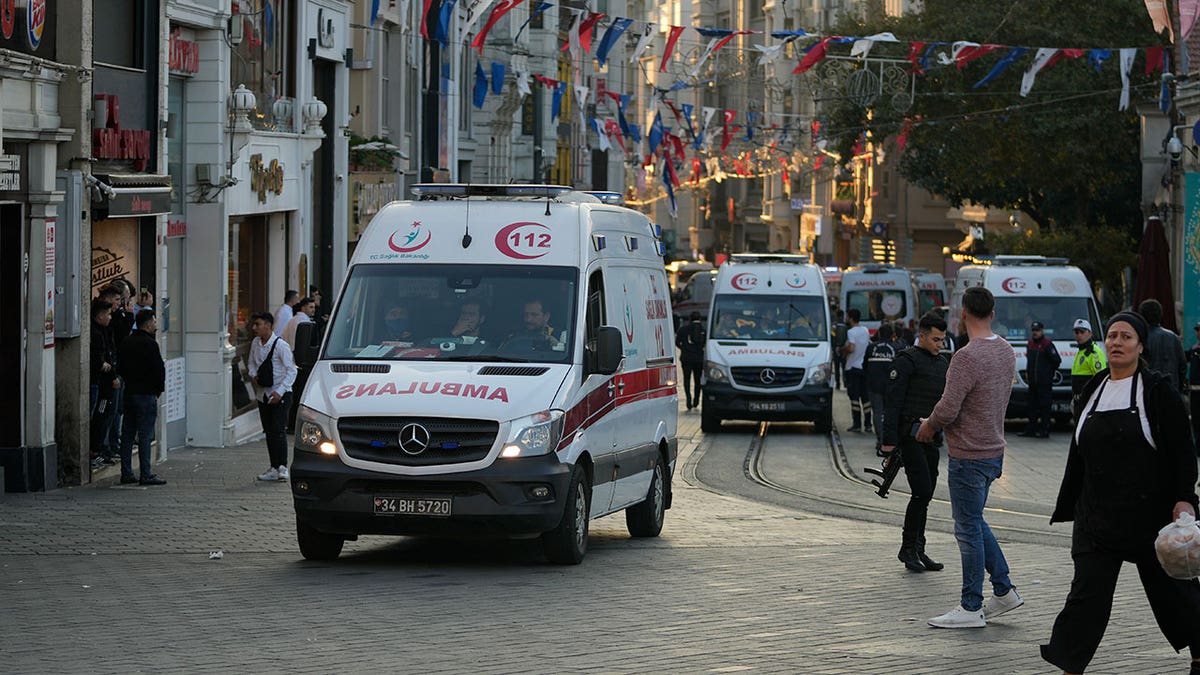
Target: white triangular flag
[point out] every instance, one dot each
(643, 42)
(1127, 56)
(1044, 54)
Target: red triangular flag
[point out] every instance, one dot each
(672, 38)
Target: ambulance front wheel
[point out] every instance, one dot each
(824, 423)
(645, 519)
(316, 545)
(567, 543)
(709, 423)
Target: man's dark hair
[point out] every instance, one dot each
(979, 302)
(265, 316)
(932, 319)
(839, 315)
(110, 292)
(304, 302)
(885, 333)
(290, 296)
(100, 306)
(1152, 311)
(694, 316)
(144, 317)
(313, 290)
(854, 314)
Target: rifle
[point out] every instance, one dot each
(891, 467)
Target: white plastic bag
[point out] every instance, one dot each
(1178, 548)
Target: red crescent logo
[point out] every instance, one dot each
(744, 281)
(407, 249)
(793, 279)
(539, 241)
(1013, 285)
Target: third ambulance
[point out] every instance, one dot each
(880, 293)
(768, 353)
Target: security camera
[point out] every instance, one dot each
(1174, 148)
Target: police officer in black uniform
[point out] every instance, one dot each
(878, 365)
(916, 382)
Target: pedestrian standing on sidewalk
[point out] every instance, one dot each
(140, 364)
(878, 366)
(916, 381)
(286, 311)
(1193, 357)
(103, 383)
(121, 325)
(305, 309)
(837, 337)
(1041, 362)
(691, 339)
(273, 372)
(855, 352)
(1164, 349)
(1131, 469)
(971, 413)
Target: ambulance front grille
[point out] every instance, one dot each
(768, 377)
(451, 441)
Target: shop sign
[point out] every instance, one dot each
(107, 266)
(10, 170)
(122, 144)
(184, 55)
(264, 179)
(28, 26)
(48, 340)
(138, 202)
(176, 228)
(325, 30)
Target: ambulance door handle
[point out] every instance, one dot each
(611, 387)
(621, 385)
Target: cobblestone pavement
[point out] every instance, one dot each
(743, 578)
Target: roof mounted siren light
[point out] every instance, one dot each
(428, 191)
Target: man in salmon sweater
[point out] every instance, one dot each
(971, 413)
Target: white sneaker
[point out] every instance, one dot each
(283, 473)
(999, 604)
(270, 474)
(959, 618)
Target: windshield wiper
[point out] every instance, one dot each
(485, 358)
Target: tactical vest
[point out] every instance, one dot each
(926, 383)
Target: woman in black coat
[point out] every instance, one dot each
(1130, 471)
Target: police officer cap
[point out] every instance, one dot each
(1083, 324)
(1036, 325)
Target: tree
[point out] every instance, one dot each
(1103, 254)
(1064, 154)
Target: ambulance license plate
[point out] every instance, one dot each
(413, 506)
(766, 406)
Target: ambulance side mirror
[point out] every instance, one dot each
(608, 350)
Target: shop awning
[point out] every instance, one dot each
(131, 195)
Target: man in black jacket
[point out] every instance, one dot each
(915, 386)
(1041, 362)
(690, 339)
(878, 365)
(1193, 359)
(104, 382)
(141, 365)
(1164, 349)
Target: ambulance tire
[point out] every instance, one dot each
(709, 423)
(316, 545)
(567, 543)
(645, 519)
(824, 423)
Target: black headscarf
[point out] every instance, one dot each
(1139, 324)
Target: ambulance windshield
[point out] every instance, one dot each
(769, 317)
(1057, 314)
(499, 313)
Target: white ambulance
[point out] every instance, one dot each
(500, 361)
(768, 355)
(880, 293)
(931, 291)
(1028, 289)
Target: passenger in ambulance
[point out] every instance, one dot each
(536, 333)
(396, 323)
(470, 318)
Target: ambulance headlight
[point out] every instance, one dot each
(715, 372)
(314, 432)
(536, 434)
(819, 375)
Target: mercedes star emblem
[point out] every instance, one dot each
(767, 376)
(414, 439)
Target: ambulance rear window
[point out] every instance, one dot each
(878, 305)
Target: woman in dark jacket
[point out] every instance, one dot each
(1130, 471)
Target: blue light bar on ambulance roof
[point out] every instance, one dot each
(611, 198)
(460, 190)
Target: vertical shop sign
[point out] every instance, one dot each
(174, 396)
(50, 262)
(1191, 252)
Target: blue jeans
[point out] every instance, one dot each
(969, 481)
(141, 412)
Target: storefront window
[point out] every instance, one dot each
(247, 294)
(263, 61)
(116, 27)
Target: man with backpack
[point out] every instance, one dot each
(273, 372)
(690, 339)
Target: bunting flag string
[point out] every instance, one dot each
(672, 38)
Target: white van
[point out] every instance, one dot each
(931, 291)
(880, 293)
(1028, 289)
(695, 296)
(500, 360)
(768, 355)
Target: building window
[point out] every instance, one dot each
(176, 142)
(117, 28)
(263, 61)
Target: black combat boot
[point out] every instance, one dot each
(911, 558)
(929, 563)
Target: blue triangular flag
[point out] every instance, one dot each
(480, 85)
(687, 109)
(1164, 96)
(542, 7)
(751, 118)
(556, 101)
(621, 114)
(497, 77)
(614, 32)
(268, 23)
(374, 11)
(446, 13)
(636, 133)
(1097, 57)
(656, 132)
(1002, 65)
(666, 176)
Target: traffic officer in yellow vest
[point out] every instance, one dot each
(1089, 360)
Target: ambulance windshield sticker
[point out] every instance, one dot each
(744, 281)
(406, 242)
(794, 280)
(524, 240)
(892, 305)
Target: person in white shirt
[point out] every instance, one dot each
(285, 313)
(304, 313)
(273, 372)
(855, 350)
